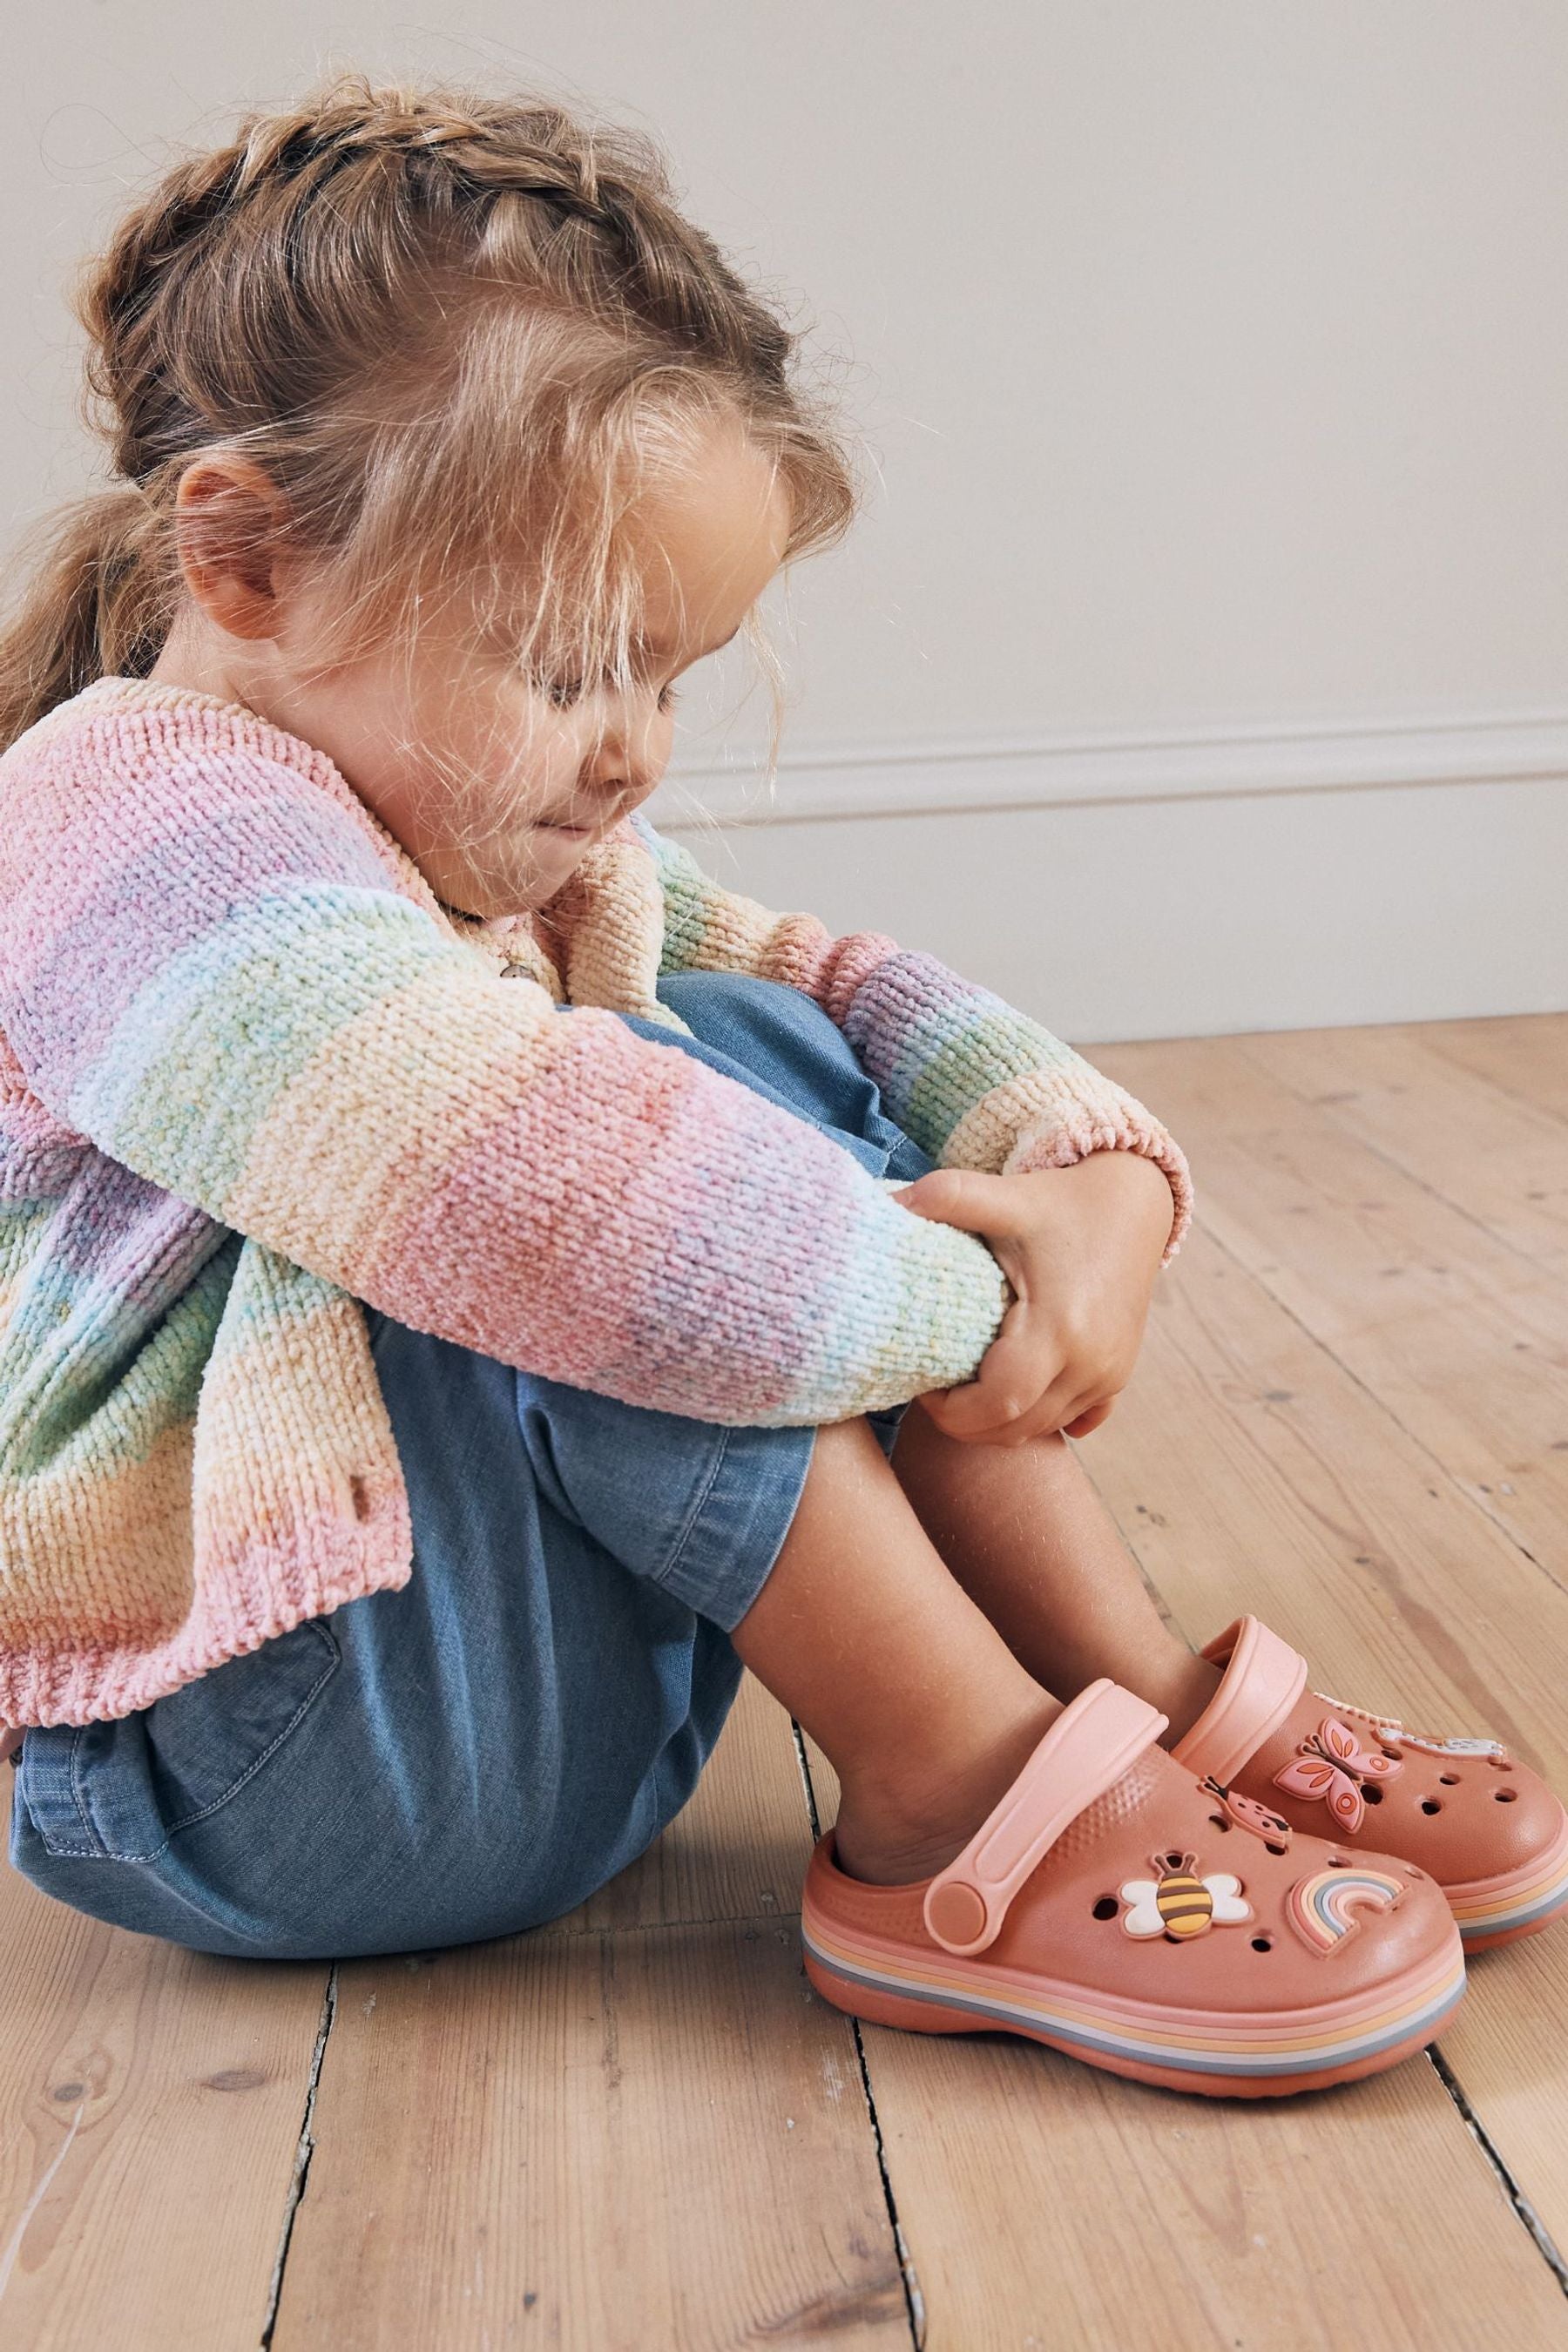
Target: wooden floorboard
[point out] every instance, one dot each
(1493, 1157)
(1462, 1338)
(1047, 2205)
(1523, 1055)
(640, 2128)
(1428, 1525)
(625, 2132)
(151, 2105)
(663, 2141)
(1250, 1472)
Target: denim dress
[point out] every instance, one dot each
(480, 1750)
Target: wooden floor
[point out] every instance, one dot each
(639, 2129)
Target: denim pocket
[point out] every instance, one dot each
(119, 1792)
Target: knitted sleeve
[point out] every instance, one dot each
(976, 1084)
(206, 970)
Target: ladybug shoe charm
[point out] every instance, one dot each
(1485, 1826)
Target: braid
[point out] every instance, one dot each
(433, 316)
(621, 244)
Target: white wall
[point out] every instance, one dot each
(1211, 360)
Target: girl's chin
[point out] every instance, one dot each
(547, 864)
(539, 877)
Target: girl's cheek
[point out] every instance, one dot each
(513, 756)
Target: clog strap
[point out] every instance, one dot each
(1263, 1678)
(1088, 1749)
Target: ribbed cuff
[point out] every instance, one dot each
(1062, 1146)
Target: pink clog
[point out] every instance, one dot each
(1486, 1827)
(1100, 1910)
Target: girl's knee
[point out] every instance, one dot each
(779, 1041)
(767, 1027)
(745, 997)
(721, 984)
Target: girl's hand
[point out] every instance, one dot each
(1081, 1247)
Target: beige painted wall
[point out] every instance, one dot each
(1211, 360)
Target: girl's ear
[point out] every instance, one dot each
(228, 519)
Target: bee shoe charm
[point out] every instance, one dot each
(1177, 1903)
(1113, 1908)
(1482, 1824)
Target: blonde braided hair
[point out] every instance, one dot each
(458, 332)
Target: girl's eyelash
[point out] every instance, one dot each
(565, 691)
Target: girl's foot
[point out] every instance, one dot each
(1486, 1827)
(1113, 1908)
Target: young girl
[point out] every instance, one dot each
(465, 1272)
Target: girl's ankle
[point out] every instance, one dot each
(1184, 1691)
(900, 1824)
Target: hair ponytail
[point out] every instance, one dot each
(81, 615)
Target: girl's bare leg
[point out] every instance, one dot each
(923, 1710)
(1024, 1532)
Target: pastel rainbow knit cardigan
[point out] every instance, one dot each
(253, 1072)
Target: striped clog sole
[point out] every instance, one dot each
(1521, 1902)
(1222, 2057)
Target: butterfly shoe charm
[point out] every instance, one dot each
(1332, 1765)
(1464, 1810)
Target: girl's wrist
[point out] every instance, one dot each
(1128, 1188)
(1122, 1173)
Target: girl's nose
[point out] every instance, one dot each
(629, 758)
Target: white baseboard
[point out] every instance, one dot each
(821, 783)
(1160, 889)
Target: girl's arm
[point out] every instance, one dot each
(206, 970)
(976, 1084)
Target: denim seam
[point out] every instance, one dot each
(99, 1852)
(661, 1576)
(93, 1850)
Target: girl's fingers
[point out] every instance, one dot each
(1003, 1428)
(1005, 1396)
(1065, 1399)
(1078, 1419)
(1056, 1409)
(968, 1412)
(1074, 1411)
(963, 1197)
